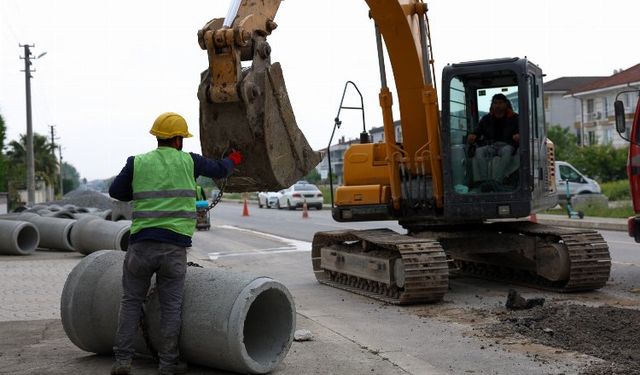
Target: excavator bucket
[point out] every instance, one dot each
(262, 126)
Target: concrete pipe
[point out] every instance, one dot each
(18, 237)
(230, 321)
(91, 233)
(55, 231)
(62, 214)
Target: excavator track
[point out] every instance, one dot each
(424, 265)
(588, 255)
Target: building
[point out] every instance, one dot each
(595, 119)
(559, 107)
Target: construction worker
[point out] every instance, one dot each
(162, 186)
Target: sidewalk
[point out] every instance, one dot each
(33, 342)
(597, 223)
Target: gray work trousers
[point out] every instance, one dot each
(484, 156)
(169, 263)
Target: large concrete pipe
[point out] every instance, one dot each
(55, 231)
(230, 321)
(91, 233)
(18, 237)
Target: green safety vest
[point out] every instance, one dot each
(164, 191)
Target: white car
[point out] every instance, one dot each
(297, 194)
(268, 199)
(578, 182)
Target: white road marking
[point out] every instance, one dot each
(290, 245)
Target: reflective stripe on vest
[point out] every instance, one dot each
(164, 191)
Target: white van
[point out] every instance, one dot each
(578, 183)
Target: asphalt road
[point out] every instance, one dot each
(443, 338)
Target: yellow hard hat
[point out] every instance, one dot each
(169, 125)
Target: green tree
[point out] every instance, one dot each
(313, 176)
(45, 162)
(70, 178)
(565, 143)
(3, 167)
(602, 162)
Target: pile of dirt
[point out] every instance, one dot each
(609, 333)
(86, 198)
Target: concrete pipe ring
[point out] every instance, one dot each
(18, 237)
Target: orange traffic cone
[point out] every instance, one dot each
(533, 218)
(305, 211)
(245, 210)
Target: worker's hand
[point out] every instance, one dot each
(516, 138)
(471, 138)
(235, 156)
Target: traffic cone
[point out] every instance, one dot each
(533, 218)
(245, 210)
(305, 211)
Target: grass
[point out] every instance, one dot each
(616, 190)
(621, 212)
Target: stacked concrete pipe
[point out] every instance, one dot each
(91, 233)
(230, 321)
(55, 232)
(18, 237)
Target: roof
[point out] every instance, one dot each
(629, 76)
(568, 83)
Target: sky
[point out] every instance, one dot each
(112, 67)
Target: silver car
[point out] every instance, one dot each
(300, 192)
(268, 199)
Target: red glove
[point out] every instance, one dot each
(235, 156)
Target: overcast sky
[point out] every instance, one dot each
(111, 67)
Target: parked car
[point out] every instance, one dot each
(578, 183)
(268, 199)
(298, 193)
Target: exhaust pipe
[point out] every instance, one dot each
(230, 321)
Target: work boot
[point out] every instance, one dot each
(121, 367)
(176, 368)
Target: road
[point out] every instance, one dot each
(443, 338)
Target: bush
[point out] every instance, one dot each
(616, 190)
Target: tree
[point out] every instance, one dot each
(70, 178)
(313, 176)
(565, 143)
(602, 162)
(3, 167)
(45, 162)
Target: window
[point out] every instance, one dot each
(590, 106)
(568, 173)
(592, 137)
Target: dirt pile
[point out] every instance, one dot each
(605, 332)
(86, 198)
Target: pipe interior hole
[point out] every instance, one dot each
(28, 238)
(268, 326)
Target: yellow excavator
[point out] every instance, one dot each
(462, 213)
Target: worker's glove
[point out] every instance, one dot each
(235, 156)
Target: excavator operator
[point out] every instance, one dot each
(162, 185)
(496, 135)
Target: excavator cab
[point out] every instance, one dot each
(495, 184)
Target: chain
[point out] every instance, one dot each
(219, 197)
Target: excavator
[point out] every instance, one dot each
(456, 219)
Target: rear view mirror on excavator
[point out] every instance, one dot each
(248, 108)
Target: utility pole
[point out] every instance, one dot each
(61, 175)
(31, 173)
(31, 183)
